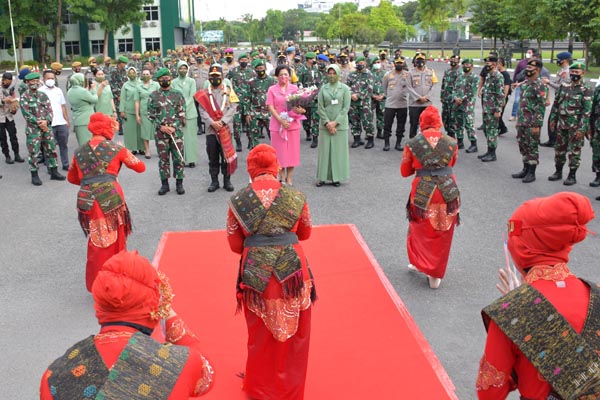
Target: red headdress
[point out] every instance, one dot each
(102, 125)
(262, 159)
(430, 118)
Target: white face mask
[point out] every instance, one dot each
(376, 66)
(50, 83)
(527, 55)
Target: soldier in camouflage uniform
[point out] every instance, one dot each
(378, 98)
(492, 97)
(37, 112)
(238, 77)
(594, 137)
(448, 84)
(166, 109)
(116, 79)
(570, 118)
(256, 110)
(309, 76)
(360, 115)
(530, 118)
(462, 113)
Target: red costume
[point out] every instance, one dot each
(542, 232)
(434, 213)
(278, 313)
(130, 296)
(95, 167)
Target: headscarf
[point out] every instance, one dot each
(262, 159)
(182, 63)
(542, 231)
(336, 68)
(101, 124)
(430, 118)
(77, 79)
(129, 289)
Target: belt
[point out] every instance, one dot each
(98, 179)
(275, 240)
(434, 172)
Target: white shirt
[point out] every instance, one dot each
(57, 100)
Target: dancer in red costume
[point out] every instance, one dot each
(103, 213)
(434, 198)
(123, 361)
(275, 287)
(543, 336)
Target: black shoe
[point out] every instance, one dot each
(227, 184)
(55, 175)
(320, 183)
(18, 158)
(530, 177)
(386, 144)
(549, 143)
(571, 180)
(35, 179)
(357, 142)
(164, 188)
(238, 145)
(398, 145)
(179, 186)
(134, 152)
(460, 144)
(336, 184)
(380, 134)
(596, 182)
(502, 132)
(484, 154)
(370, 143)
(192, 165)
(557, 175)
(65, 168)
(472, 148)
(480, 128)
(315, 142)
(9, 160)
(521, 174)
(308, 137)
(214, 185)
(491, 156)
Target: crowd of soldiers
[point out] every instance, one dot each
(384, 88)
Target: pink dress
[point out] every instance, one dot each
(285, 141)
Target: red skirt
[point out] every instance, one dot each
(429, 249)
(97, 256)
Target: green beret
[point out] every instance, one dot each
(310, 54)
(360, 58)
(575, 65)
(32, 75)
(372, 61)
(243, 55)
(123, 59)
(166, 59)
(254, 54)
(162, 72)
(258, 62)
(467, 61)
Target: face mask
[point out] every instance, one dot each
(466, 69)
(283, 80)
(199, 60)
(244, 64)
(376, 67)
(488, 68)
(281, 61)
(574, 77)
(360, 67)
(50, 83)
(382, 57)
(261, 74)
(420, 64)
(322, 65)
(297, 60)
(453, 64)
(146, 78)
(93, 69)
(527, 55)
(182, 74)
(165, 83)
(215, 81)
(229, 59)
(100, 79)
(529, 72)
(344, 61)
(56, 72)
(34, 86)
(398, 67)
(131, 77)
(333, 78)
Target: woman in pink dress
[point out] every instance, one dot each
(285, 124)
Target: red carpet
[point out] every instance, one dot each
(364, 344)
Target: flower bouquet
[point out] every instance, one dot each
(302, 98)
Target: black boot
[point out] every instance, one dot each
(596, 182)
(484, 154)
(530, 177)
(55, 175)
(571, 180)
(35, 179)
(460, 143)
(557, 175)
(214, 184)
(491, 156)
(380, 134)
(386, 144)
(522, 173)
(164, 188)
(227, 184)
(315, 142)
(9, 160)
(356, 142)
(398, 145)
(549, 143)
(18, 158)
(370, 143)
(473, 148)
(238, 144)
(179, 186)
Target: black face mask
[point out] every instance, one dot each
(466, 69)
(56, 72)
(229, 59)
(93, 69)
(398, 67)
(322, 65)
(488, 68)
(297, 60)
(243, 64)
(343, 61)
(360, 67)
(382, 57)
(215, 81)
(261, 73)
(164, 83)
(575, 78)
(199, 60)
(453, 64)
(420, 64)
(529, 72)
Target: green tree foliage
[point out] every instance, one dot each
(410, 11)
(489, 19)
(384, 19)
(274, 24)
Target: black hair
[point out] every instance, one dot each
(280, 67)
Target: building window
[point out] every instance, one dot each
(152, 44)
(125, 45)
(151, 13)
(98, 46)
(67, 18)
(72, 48)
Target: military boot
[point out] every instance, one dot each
(164, 188)
(460, 144)
(386, 144)
(491, 156)
(484, 154)
(473, 147)
(238, 144)
(18, 158)
(557, 175)
(315, 142)
(522, 173)
(179, 186)
(596, 182)
(55, 175)
(227, 184)
(571, 179)
(356, 142)
(370, 143)
(380, 134)
(35, 179)
(214, 184)
(530, 177)
(398, 145)
(9, 159)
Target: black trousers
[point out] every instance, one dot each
(414, 114)
(8, 126)
(216, 161)
(388, 120)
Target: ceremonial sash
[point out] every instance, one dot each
(224, 134)
(569, 361)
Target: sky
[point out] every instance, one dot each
(234, 9)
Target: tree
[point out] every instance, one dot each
(410, 12)
(27, 23)
(489, 19)
(274, 24)
(383, 18)
(294, 23)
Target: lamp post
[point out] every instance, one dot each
(12, 31)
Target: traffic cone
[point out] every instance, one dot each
(439, 59)
(45, 67)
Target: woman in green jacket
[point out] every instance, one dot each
(146, 88)
(82, 102)
(129, 108)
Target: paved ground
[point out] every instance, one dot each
(45, 307)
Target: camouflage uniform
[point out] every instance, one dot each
(570, 116)
(492, 97)
(462, 115)
(532, 107)
(167, 107)
(448, 85)
(256, 90)
(378, 106)
(361, 113)
(595, 135)
(307, 77)
(238, 76)
(35, 106)
(117, 79)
